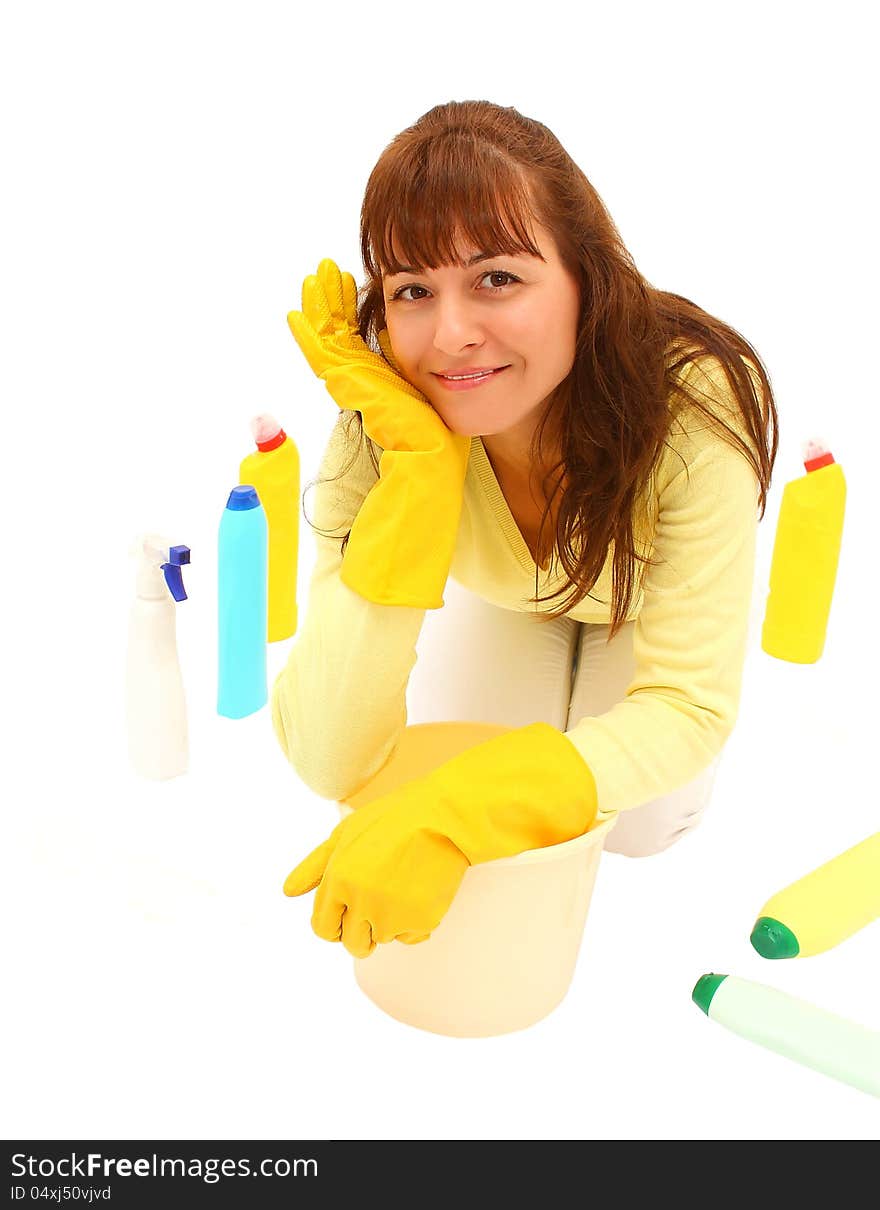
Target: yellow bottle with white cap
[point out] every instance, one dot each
(805, 557)
(273, 469)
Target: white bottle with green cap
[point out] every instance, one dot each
(818, 1039)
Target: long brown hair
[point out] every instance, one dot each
(476, 169)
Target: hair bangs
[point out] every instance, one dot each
(455, 207)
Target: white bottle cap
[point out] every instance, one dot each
(151, 550)
(815, 447)
(264, 427)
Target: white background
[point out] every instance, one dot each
(172, 172)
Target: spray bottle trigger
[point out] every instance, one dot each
(178, 556)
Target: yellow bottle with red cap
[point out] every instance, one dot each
(806, 551)
(273, 469)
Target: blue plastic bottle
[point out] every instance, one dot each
(242, 573)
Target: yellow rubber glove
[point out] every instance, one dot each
(391, 869)
(403, 538)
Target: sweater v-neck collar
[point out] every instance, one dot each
(498, 502)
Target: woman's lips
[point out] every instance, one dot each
(469, 384)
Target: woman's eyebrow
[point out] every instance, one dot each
(475, 260)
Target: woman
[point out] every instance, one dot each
(522, 412)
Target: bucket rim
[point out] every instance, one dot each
(557, 852)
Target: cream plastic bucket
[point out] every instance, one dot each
(504, 954)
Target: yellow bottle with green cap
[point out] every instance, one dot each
(824, 907)
(273, 469)
(805, 557)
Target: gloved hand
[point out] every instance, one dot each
(403, 538)
(391, 869)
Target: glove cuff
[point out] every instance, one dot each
(529, 788)
(403, 539)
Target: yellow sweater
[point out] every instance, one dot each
(339, 705)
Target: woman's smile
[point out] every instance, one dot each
(468, 384)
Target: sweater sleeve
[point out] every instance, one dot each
(339, 704)
(691, 633)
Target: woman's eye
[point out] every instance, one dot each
(492, 289)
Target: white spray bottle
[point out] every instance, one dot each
(158, 742)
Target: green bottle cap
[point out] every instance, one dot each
(704, 989)
(772, 939)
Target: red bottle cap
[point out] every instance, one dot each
(281, 437)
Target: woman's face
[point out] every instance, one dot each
(519, 311)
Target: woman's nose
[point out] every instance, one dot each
(457, 325)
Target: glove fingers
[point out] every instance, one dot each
(339, 299)
(412, 938)
(306, 876)
(349, 301)
(327, 326)
(328, 913)
(314, 308)
(357, 935)
(313, 350)
(317, 307)
(330, 295)
(385, 346)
